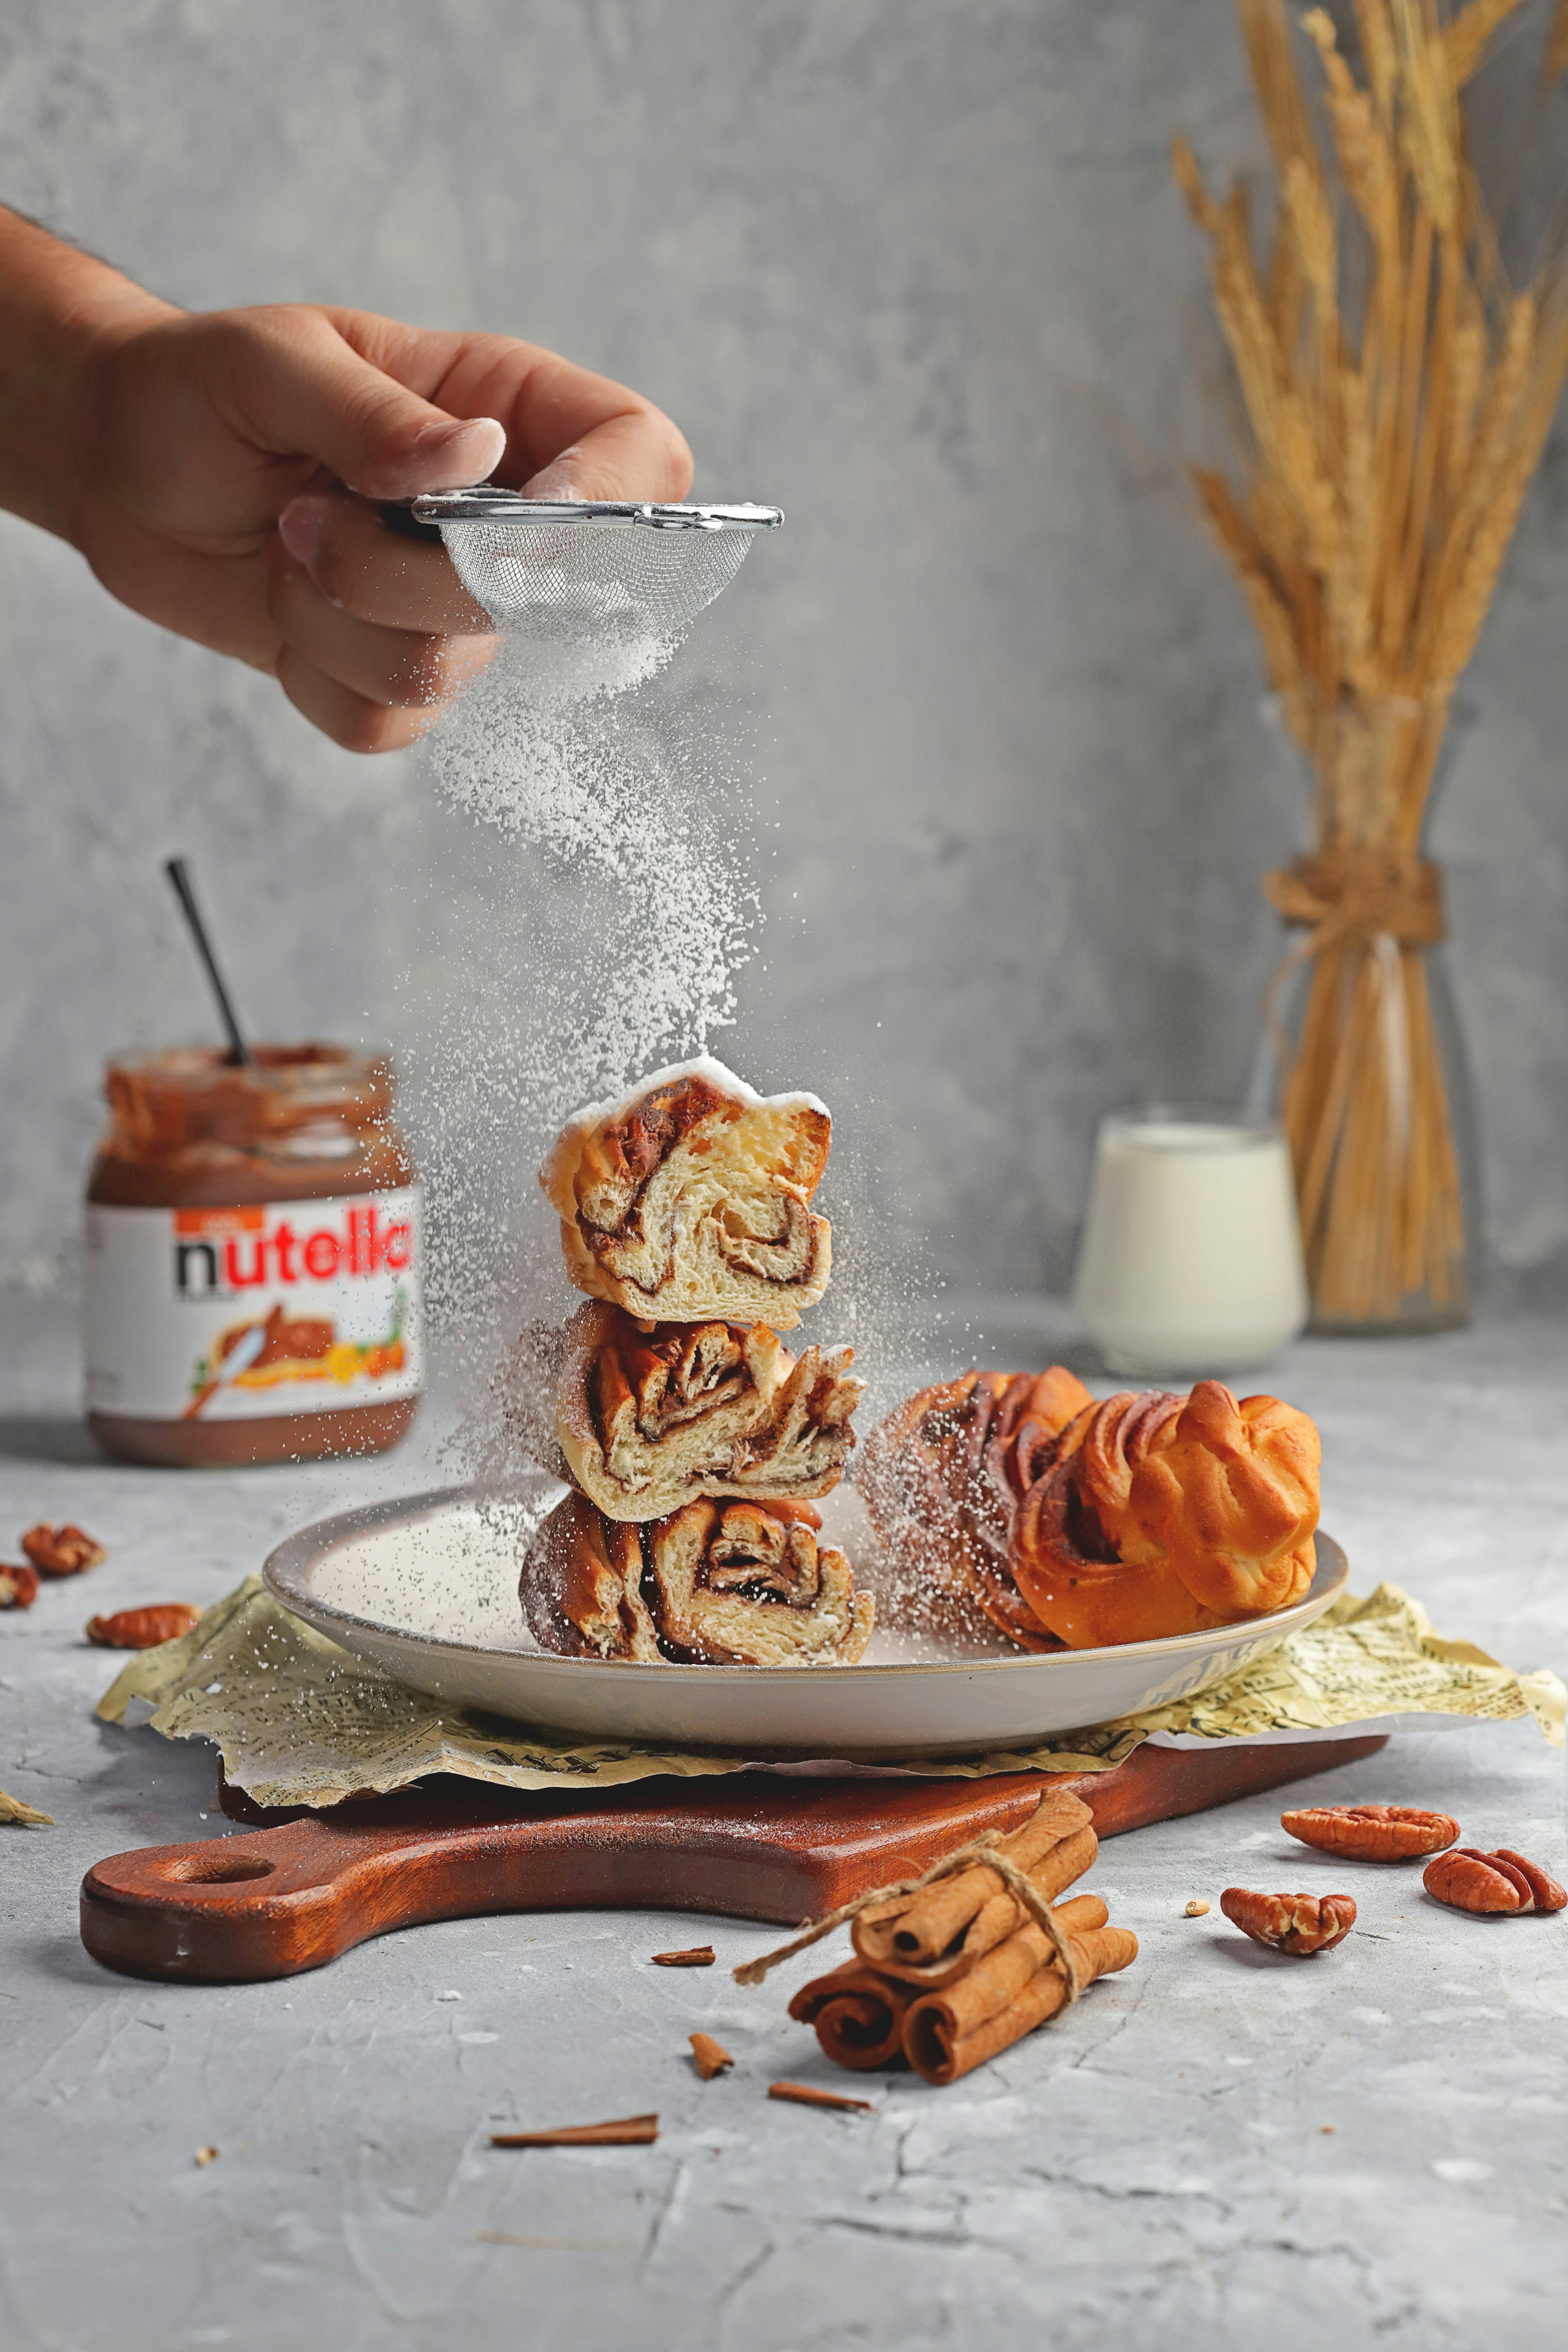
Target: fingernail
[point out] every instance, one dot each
(299, 529)
(486, 434)
(558, 480)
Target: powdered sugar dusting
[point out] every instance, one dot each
(611, 843)
(699, 1066)
(661, 905)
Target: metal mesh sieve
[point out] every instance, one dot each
(648, 569)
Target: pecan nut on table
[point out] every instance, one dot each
(1290, 1923)
(18, 1585)
(1372, 1833)
(142, 1629)
(62, 1552)
(1499, 1883)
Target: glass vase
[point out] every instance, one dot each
(1374, 1092)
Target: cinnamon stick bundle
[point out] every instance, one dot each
(935, 1935)
(952, 1969)
(1014, 1988)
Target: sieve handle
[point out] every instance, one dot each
(398, 515)
(486, 505)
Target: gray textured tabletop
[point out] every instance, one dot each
(1221, 2145)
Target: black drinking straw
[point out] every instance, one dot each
(174, 867)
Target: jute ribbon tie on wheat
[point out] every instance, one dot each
(1363, 893)
(981, 1849)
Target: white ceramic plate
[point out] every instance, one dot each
(427, 1588)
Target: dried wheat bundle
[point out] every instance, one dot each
(1397, 395)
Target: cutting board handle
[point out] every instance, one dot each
(239, 1907)
(748, 1846)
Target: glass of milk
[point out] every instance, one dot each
(1190, 1259)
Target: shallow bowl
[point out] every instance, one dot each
(425, 1587)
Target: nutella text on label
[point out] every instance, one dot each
(225, 1314)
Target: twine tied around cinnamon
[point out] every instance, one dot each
(1352, 890)
(983, 1849)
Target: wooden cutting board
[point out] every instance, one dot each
(749, 1846)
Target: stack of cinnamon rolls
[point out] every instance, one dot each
(696, 1444)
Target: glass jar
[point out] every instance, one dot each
(252, 1288)
(1374, 1090)
(1190, 1259)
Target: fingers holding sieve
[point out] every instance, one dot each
(378, 574)
(380, 667)
(350, 719)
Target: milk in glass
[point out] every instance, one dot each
(1190, 1259)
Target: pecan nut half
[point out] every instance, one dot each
(1290, 1923)
(18, 1585)
(1499, 1883)
(142, 1629)
(61, 1551)
(1548, 1894)
(1372, 1833)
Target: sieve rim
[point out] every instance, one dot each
(489, 506)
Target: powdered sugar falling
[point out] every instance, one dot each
(610, 844)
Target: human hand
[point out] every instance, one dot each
(222, 472)
(233, 493)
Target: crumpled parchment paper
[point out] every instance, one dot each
(301, 1721)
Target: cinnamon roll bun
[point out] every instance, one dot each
(652, 1418)
(690, 1199)
(1067, 1522)
(1161, 1515)
(727, 1583)
(941, 1479)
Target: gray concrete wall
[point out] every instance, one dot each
(913, 269)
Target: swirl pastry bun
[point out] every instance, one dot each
(581, 1586)
(1067, 1522)
(941, 1479)
(652, 1419)
(1160, 1515)
(726, 1583)
(688, 1200)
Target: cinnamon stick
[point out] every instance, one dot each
(805, 2095)
(711, 2057)
(1014, 1988)
(630, 2131)
(931, 1936)
(858, 2015)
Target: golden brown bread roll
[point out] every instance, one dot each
(688, 1200)
(652, 1419)
(1160, 1515)
(942, 1477)
(581, 1586)
(1068, 1522)
(736, 1583)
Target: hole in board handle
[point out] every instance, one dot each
(220, 1869)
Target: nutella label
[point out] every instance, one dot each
(233, 1314)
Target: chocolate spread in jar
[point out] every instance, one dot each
(252, 1259)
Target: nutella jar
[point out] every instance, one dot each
(252, 1259)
